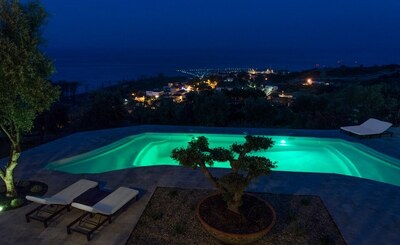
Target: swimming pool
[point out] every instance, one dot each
(296, 154)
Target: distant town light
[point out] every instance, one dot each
(140, 99)
(309, 81)
(283, 95)
(283, 142)
(1, 208)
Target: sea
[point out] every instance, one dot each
(94, 69)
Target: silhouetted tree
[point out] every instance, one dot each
(105, 109)
(211, 110)
(258, 112)
(53, 120)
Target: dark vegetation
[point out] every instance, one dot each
(24, 188)
(355, 94)
(348, 101)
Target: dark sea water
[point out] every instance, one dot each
(97, 68)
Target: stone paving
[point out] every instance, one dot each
(366, 212)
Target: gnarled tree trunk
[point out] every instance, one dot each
(209, 176)
(236, 201)
(8, 174)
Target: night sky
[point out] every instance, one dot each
(366, 25)
(103, 40)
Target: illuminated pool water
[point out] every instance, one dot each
(296, 154)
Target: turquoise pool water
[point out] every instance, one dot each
(297, 154)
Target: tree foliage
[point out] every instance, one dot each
(244, 167)
(24, 71)
(105, 110)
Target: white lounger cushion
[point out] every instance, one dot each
(67, 195)
(46, 200)
(83, 207)
(370, 127)
(111, 203)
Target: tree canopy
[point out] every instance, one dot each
(244, 167)
(24, 72)
(24, 69)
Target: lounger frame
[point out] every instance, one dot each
(87, 219)
(52, 210)
(44, 208)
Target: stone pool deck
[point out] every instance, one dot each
(366, 212)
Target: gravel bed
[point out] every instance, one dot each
(169, 218)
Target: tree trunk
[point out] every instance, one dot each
(209, 176)
(10, 187)
(236, 201)
(9, 172)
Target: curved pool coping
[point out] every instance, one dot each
(54, 166)
(82, 142)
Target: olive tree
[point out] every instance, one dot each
(24, 71)
(244, 167)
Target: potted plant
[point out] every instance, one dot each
(231, 215)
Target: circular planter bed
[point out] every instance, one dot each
(256, 219)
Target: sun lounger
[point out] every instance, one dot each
(54, 205)
(371, 127)
(104, 209)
